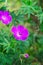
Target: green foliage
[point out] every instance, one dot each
(29, 14)
(2, 0)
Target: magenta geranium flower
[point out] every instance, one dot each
(20, 32)
(5, 17)
(26, 55)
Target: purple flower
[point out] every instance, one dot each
(26, 55)
(5, 17)
(20, 32)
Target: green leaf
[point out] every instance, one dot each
(41, 27)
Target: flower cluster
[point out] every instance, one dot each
(19, 32)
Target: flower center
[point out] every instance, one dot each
(19, 34)
(4, 17)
